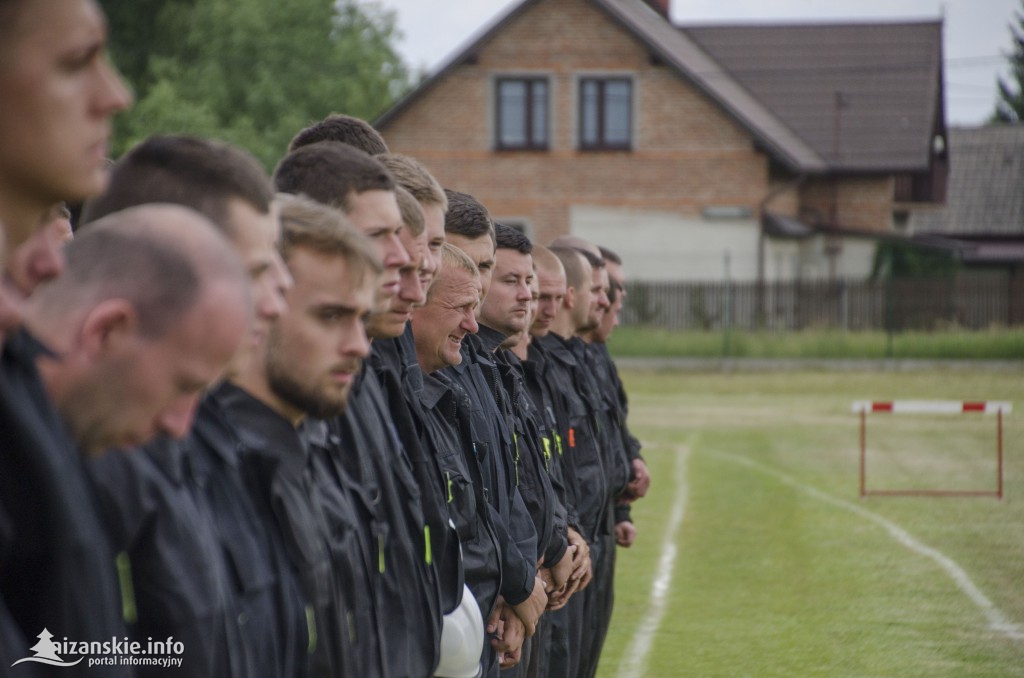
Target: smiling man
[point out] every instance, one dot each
(439, 328)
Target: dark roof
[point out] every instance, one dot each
(985, 193)
(890, 76)
(885, 76)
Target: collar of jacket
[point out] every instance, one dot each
(558, 348)
(261, 430)
(490, 338)
(434, 390)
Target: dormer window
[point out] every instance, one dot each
(606, 114)
(522, 114)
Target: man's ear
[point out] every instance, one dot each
(569, 301)
(109, 325)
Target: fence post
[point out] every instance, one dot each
(844, 306)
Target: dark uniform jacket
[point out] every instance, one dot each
(608, 373)
(57, 568)
(365, 448)
(445, 410)
(531, 461)
(171, 553)
(612, 421)
(282, 479)
(493, 444)
(580, 433)
(401, 379)
(554, 410)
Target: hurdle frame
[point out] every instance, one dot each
(864, 407)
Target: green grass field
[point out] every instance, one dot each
(781, 569)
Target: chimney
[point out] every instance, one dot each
(660, 6)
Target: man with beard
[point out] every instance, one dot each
(307, 367)
(370, 464)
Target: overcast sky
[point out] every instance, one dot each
(977, 36)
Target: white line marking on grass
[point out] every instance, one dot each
(997, 621)
(632, 665)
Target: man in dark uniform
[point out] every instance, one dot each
(468, 226)
(59, 572)
(363, 444)
(393, 359)
(582, 442)
(50, 125)
(503, 314)
(603, 403)
(204, 566)
(439, 328)
(310, 360)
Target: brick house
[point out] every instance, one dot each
(751, 152)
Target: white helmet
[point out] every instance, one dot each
(462, 640)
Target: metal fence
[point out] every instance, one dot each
(972, 300)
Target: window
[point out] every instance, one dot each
(606, 113)
(522, 110)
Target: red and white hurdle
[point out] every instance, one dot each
(996, 407)
(932, 406)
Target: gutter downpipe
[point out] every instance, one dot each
(771, 195)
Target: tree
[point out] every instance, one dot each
(255, 72)
(909, 260)
(1010, 107)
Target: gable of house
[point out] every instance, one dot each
(709, 144)
(686, 151)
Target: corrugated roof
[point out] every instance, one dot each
(695, 64)
(985, 193)
(886, 78)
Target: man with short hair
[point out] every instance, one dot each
(346, 129)
(469, 227)
(348, 179)
(169, 506)
(414, 177)
(362, 443)
(504, 313)
(400, 380)
(60, 94)
(439, 328)
(602, 396)
(581, 443)
(307, 366)
(176, 308)
(131, 343)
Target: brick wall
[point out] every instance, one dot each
(861, 203)
(687, 153)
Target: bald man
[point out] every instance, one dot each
(119, 350)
